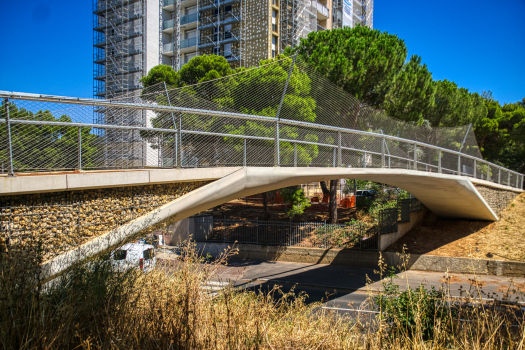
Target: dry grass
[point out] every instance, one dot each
(501, 240)
(98, 308)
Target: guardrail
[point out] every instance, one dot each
(184, 143)
(283, 233)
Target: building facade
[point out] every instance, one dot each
(132, 36)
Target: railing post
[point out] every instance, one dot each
(333, 159)
(508, 178)
(439, 162)
(325, 241)
(295, 154)
(276, 157)
(488, 172)
(499, 175)
(276, 160)
(178, 141)
(175, 146)
(459, 164)
(10, 171)
(244, 162)
(415, 156)
(383, 152)
(517, 180)
(522, 181)
(364, 159)
(475, 169)
(339, 151)
(79, 148)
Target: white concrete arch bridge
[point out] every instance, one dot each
(53, 146)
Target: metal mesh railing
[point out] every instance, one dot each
(280, 114)
(282, 233)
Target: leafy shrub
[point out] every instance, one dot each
(294, 196)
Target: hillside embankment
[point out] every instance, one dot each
(500, 240)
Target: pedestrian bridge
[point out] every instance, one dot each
(87, 174)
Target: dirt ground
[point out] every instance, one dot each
(253, 209)
(501, 240)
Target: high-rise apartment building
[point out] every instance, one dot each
(132, 36)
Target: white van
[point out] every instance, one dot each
(135, 254)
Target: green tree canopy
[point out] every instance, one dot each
(455, 106)
(411, 95)
(159, 74)
(204, 68)
(363, 61)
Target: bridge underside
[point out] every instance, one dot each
(448, 196)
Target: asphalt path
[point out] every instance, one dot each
(347, 290)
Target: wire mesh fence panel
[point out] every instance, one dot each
(388, 220)
(282, 233)
(404, 207)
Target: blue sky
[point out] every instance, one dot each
(47, 44)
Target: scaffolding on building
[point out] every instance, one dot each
(362, 11)
(119, 49)
(298, 18)
(213, 32)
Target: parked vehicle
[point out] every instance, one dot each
(138, 255)
(365, 193)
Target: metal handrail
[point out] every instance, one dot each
(174, 109)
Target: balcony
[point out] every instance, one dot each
(320, 28)
(167, 49)
(188, 43)
(188, 20)
(322, 11)
(167, 26)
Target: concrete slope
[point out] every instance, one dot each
(447, 196)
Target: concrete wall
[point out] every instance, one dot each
(294, 254)
(458, 265)
(368, 259)
(416, 217)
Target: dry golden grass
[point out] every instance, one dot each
(98, 308)
(501, 240)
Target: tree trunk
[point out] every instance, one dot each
(324, 188)
(265, 206)
(333, 201)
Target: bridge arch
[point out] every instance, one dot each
(448, 196)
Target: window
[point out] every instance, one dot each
(274, 46)
(189, 56)
(190, 34)
(227, 31)
(191, 10)
(275, 2)
(227, 50)
(217, 50)
(120, 254)
(149, 254)
(274, 20)
(228, 8)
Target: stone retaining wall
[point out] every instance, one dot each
(54, 223)
(496, 198)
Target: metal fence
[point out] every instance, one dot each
(283, 233)
(281, 114)
(390, 217)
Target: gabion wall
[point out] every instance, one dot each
(54, 223)
(498, 199)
